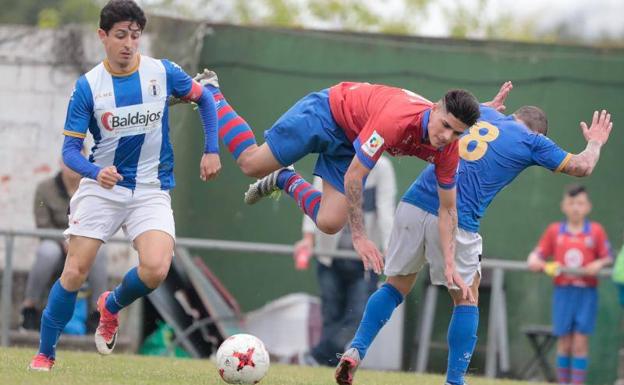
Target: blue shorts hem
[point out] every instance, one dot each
(276, 155)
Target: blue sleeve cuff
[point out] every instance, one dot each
(446, 186)
(366, 160)
(73, 158)
(208, 114)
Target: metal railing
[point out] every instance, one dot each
(497, 353)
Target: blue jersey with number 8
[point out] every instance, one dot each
(492, 153)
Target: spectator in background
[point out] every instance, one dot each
(51, 208)
(344, 284)
(579, 243)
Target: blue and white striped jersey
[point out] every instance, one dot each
(127, 115)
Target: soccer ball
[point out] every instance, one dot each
(242, 359)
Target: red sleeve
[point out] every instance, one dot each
(546, 246)
(195, 92)
(380, 132)
(603, 246)
(446, 163)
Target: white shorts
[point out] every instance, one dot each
(415, 240)
(96, 212)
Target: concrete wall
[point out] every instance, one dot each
(38, 69)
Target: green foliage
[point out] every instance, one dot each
(49, 18)
(49, 13)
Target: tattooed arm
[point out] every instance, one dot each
(447, 228)
(597, 135)
(366, 249)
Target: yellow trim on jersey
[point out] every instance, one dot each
(74, 134)
(564, 162)
(124, 73)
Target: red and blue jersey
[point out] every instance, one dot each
(574, 250)
(378, 118)
(492, 153)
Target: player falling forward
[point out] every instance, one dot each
(123, 103)
(350, 125)
(493, 152)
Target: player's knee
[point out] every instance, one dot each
(73, 276)
(249, 168)
(400, 283)
(328, 227)
(154, 275)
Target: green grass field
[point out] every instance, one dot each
(78, 368)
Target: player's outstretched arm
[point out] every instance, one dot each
(447, 228)
(498, 103)
(366, 249)
(596, 136)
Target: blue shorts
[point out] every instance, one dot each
(574, 310)
(309, 127)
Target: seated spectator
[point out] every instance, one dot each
(51, 208)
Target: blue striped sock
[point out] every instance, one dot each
(307, 197)
(378, 311)
(233, 129)
(462, 339)
(563, 369)
(56, 315)
(128, 291)
(579, 370)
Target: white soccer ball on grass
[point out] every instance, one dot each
(242, 359)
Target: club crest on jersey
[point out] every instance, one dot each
(373, 144)
(573, 258)
(153, 88)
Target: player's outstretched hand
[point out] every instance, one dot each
(498, 103)
(108, 177)
(453, 279)
(209, 167)
(371, 256)
(600, 128)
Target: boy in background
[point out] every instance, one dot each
(579, 243)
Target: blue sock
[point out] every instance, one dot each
(56, 315)
(130, 289)
(378, 311)
(579, 370)
(462, 339)
(283, 177)
(563, 369)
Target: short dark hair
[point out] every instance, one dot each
(534, 118)
(573, 190)
(462, 105)
(121, 10)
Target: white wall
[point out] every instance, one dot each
(38, 69)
